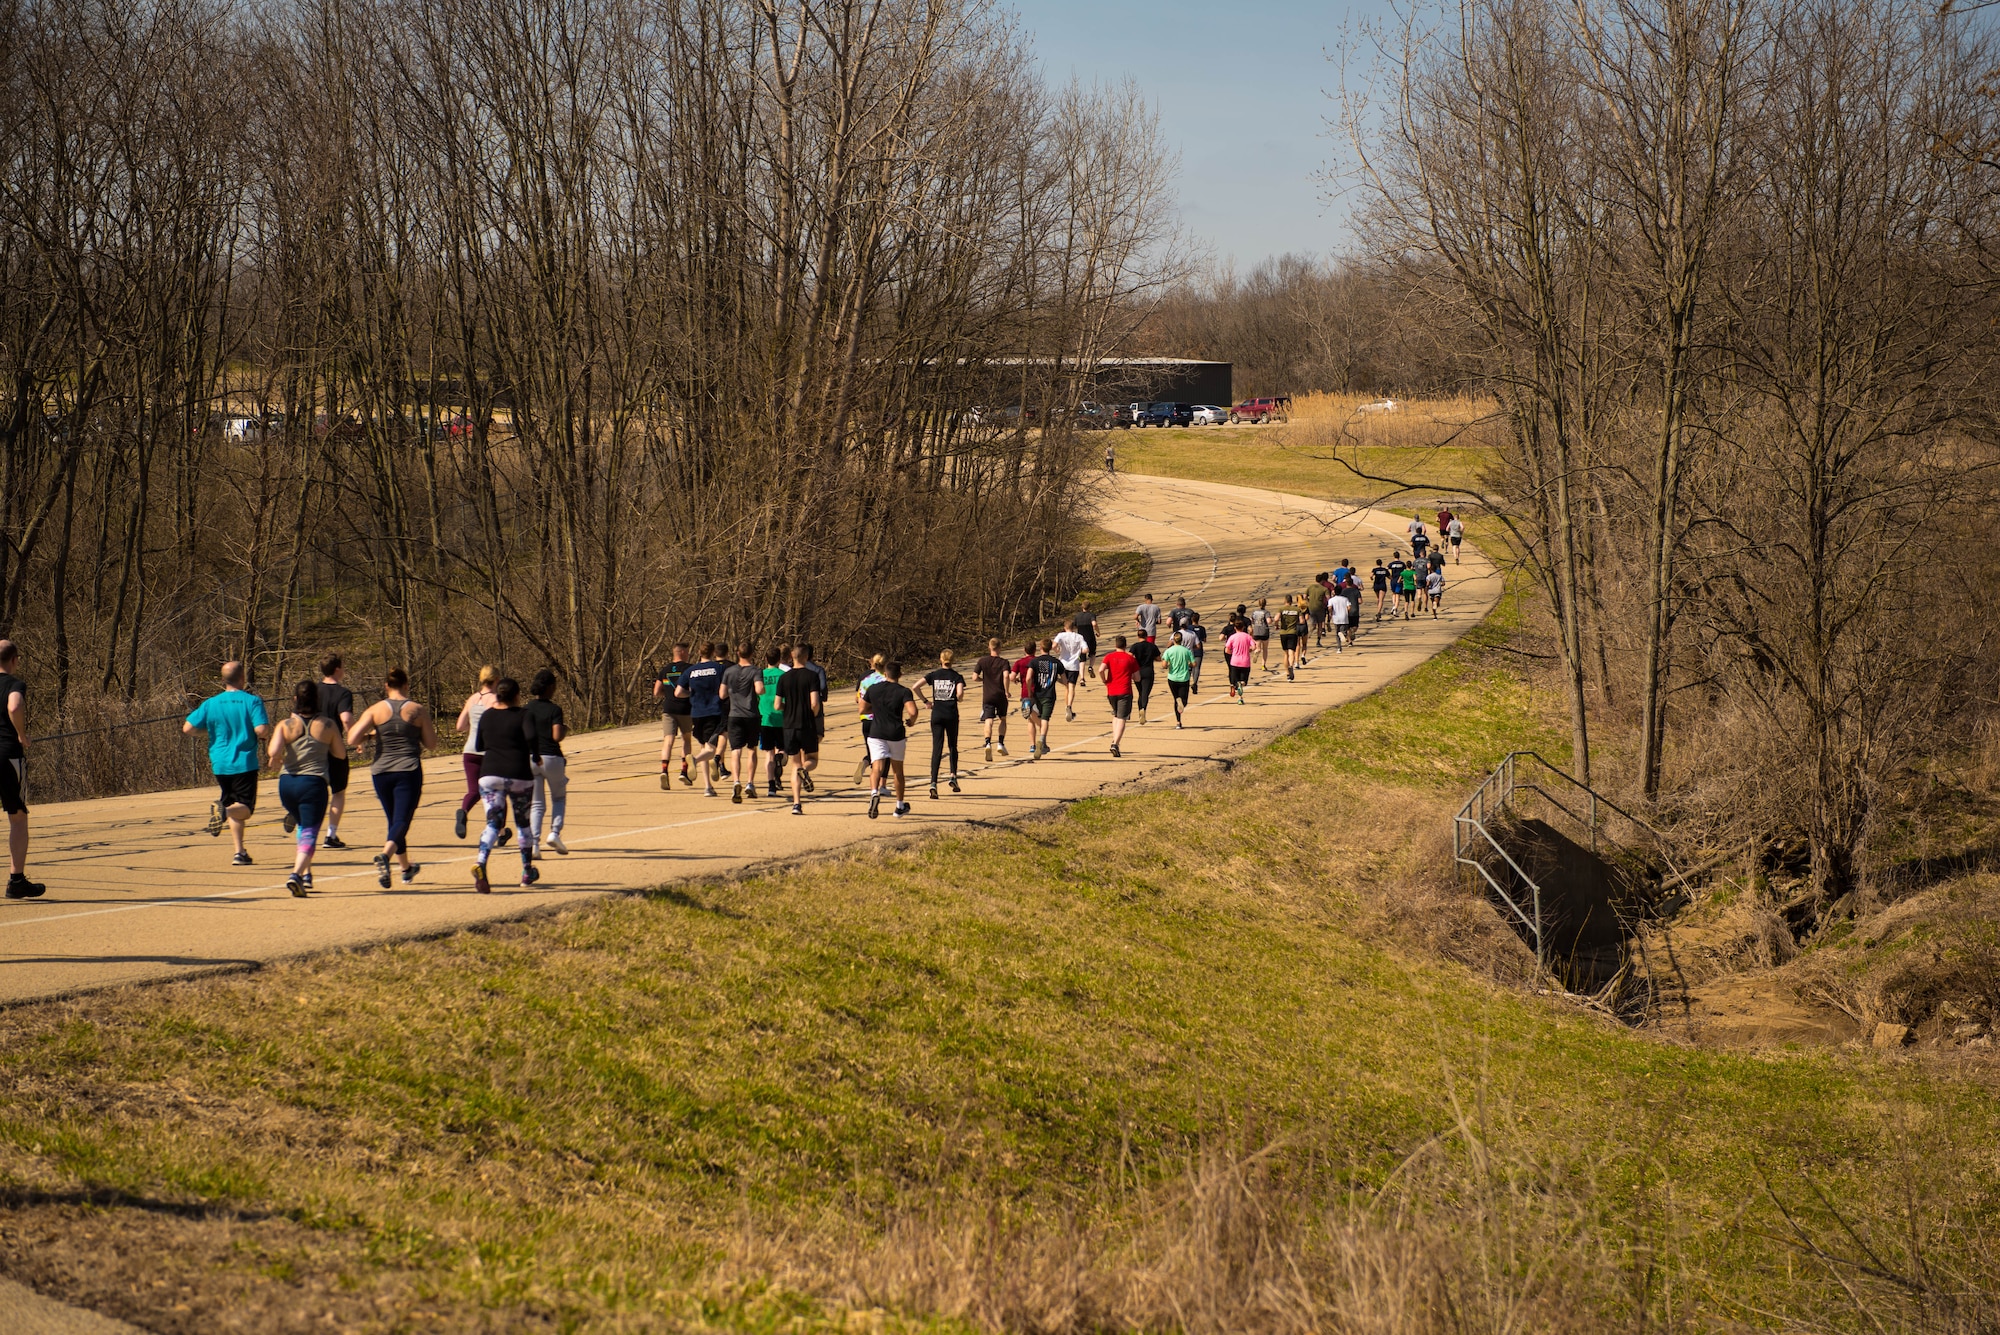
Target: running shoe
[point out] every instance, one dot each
(798, 810)
(297, 885)
(1179, 724)
(1003, 748)
(1142, 716)
(410, 872)
(530, 873)
(989, 753)
(506, 833)
(953, 781)
(382, 870)
(480, 884)
(308, 880)
(1289, 676)
(332, 841)
(667, 780)
(216, 820)
(561, 848)
(1071, 717)
(686, 777)
(291, 823)
(771, 790)
(933, 792)
(240, 860)
(805, 781)
(20, 887)
(1242, 699)
(1114, 751)
(458, 823)
(736, 795)
(875, 804)
(902, 808)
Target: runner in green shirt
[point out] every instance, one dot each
(770, 723)
(1180, 669)
(1409, 591)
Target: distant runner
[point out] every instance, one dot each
(1457, 536)
(1316, 607)
(1381, 577)
(1070, 649)
(336, 705)
(800, 696)
(1410, 591)
(676, 719)
(476, 705)
(1180, 618)
(1419, 540)
(993, 672)
(891, 711)
(235, 722)
(701, 687)
(1180, 670)
(1343, 620)
(1195, 637)
(1044, 671)
(507, 746)
(1259, 621)
(14, 772)
(771, 720)
(1086, 626)
(1239, 647)
(739, 688)
(1146, 654)
(1119, 670)
(1434, 591)
(1148, 616)
(1397, 565)
(874, 675)
(303, 747)
(1291, 622)
(549, 768)
(403, 731)
(942, 688)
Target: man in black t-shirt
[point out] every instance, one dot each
(942, 688)
(1148, 654)
(336, 705)
(1044, 672)
(676, 719)
(891, 711)
(799, 701)
(13, 771)
(739, 689)
(993, 672)
(1086, 626)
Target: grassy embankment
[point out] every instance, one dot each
(1326, 449)
(1156, 1057)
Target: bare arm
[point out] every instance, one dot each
(275, 752)
(17, 714)
(365, 724)
(423, 721)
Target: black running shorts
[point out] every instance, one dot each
(800, 741)
(1068, 676)
(1288, 641)
(707, 727)
(1239, 676)
(990, 709)
(336, 775)
(770, 738)
(238, 790)
(1121, 706)
(743, 730)
(13, 786)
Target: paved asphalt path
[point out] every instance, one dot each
(138, 892)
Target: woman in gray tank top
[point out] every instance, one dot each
(476, 704)
(301, 746)
(403, 732)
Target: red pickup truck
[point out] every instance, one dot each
(1278, 409)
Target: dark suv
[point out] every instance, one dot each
(1167, 414)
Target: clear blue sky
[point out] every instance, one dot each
(1240, 86)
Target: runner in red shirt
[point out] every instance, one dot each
(1119, 668)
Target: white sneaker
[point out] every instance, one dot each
(555, 842)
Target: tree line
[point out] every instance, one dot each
(453, 331)
(1727, 269)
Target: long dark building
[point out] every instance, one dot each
(1169, 379)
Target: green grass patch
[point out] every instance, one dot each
(1297, 459)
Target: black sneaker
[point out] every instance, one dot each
(216, 820)
(458, 823)
(686, 777)
(332, 841)
(875, 804)
(798, 810)
(953, 782)
(1114, 750)
(20, 887)
(291, 823)
(480, 884)
(902, 808)
(806, 782)
(410, 872)
(505, 835)
(382, 870)
(297, 885)
(240, 860)
(530, 873)
(933, 792)
(309, 880)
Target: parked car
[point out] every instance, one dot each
(1168, 414)
(1275, 409)
(1095, 416)
(1207, 414)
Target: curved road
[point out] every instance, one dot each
(138, 892)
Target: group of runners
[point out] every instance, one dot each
(728, 716)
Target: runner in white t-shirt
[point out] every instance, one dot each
(1070, 649)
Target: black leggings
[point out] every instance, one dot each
(944, 733)
(1145, 689)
